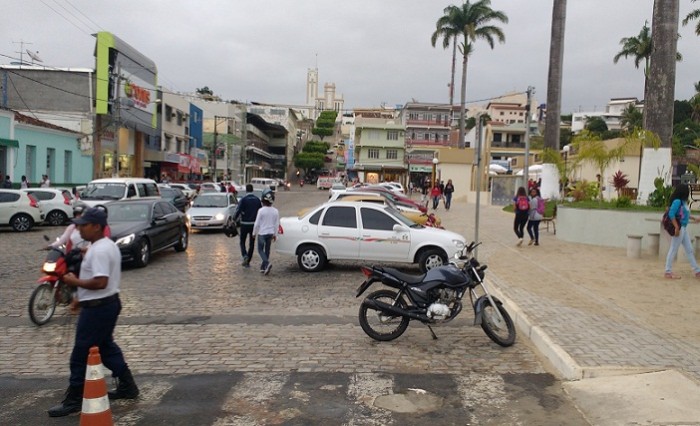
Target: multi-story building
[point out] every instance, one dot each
(379, 150)
(611, 115)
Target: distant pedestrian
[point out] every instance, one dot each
(7, 183)
(247, 211)
(535, 216)
(45, 182)
(680, 214)
(265, 229)
(521, 206)
(24, 184)
(447, 192)
(436, 195)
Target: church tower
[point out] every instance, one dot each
(311, 87)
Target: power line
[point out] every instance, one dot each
(64, 17)
(87, 17)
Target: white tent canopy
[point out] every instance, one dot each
(496, 168)
(535, 170)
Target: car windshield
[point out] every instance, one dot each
(168, 193)
(210, 201)
(398, 216)
(128, 212)
(104, 191)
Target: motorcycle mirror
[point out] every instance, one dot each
(46, 238)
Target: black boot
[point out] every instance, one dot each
(72, 403)
(126, 387)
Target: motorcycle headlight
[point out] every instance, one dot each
(458, 243)
(125, 241)
(219, 216)
(49, 267)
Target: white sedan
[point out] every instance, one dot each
(371, 232)
(212, 210)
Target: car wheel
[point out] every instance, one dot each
(182, 243)
(311, 258)
(143, 253)
(431, 258)
(22, 222)
(56, 218)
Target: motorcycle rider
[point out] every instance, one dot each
(71, 236)
(247, 210)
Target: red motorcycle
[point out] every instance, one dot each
(51, 290)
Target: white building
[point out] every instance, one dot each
(611, 115)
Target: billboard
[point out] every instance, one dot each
(126, 83)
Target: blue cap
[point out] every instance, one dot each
(92, 215)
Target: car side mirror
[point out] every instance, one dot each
(400, 228)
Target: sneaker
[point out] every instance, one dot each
(531, 242)
(268, 269)
(520, 242)
(697, 275)
(672, 276)
(536, 243)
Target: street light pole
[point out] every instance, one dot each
(434, 176)
(565, 179)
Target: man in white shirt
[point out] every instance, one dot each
(45, 182)
(98, 292)
(267, 224)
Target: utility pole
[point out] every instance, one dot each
(526, 164)
(477, 163)
(213, 149)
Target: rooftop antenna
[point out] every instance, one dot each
(21, 50)
(34, 56)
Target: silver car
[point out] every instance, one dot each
(212, 210)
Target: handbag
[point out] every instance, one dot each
(667, 223)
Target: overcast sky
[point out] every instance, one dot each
(375, 51)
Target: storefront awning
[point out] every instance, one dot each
(9, 142)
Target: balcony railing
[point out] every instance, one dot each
(426, 142)
(507, 144)
(431, 122)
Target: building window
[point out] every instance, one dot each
(68, 166)
(30, 162)
(392, 154)
(515, 138)
(50, 161)
(373, 153)
(168, 113)
(497, 137)
(392, 135)
(372, 134)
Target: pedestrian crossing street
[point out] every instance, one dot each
(251, 399)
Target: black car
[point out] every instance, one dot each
(176, 197)
(145, 226)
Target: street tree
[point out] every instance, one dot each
(325, 124)
(554, 79)
(596, 125)
(472, 21)
(591, 149)
(631, 118)
(308, 160)
(449, 36)
(695, 14)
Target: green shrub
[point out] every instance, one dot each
(623, 202)
(661, 194)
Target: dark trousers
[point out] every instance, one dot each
(247, 231)
(533, 229)
(264, 244)
(448, 200)
(436, 202)
(519, 224)
(96, 328)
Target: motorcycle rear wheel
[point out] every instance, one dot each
(501, 331)
(42, 303)
(379, 325)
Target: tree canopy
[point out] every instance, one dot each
(325, 124)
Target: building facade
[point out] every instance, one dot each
(379, 150)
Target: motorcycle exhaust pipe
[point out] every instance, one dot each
(386, 308)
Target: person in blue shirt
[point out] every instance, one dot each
(247, 210)
(680, 214)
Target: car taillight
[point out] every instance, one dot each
(66, 200)
(33, 201)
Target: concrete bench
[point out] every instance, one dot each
(653, 245)
(634, 246)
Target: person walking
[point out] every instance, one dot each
(521, 206)
(247, 210)
(265, 229)
(7, 183)
(449, 189)
(98, 292)
(680, 215)
(535, 215)
(436, 195)
(24, 184)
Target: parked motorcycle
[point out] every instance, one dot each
(52, 291)
(433, 298)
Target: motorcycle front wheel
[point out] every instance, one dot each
(501, 331)
(42, 303)
(380, 325)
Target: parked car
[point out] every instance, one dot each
(393, 196)
(176, 197)
(19, 210)
(415, 215)
(337, 186)
(212, 210)
(101, 191)
(142, 227)
(56, 204)
(359, 231)
(210, 187)
(261, 184)
(189, 192)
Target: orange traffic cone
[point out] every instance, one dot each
(96, 411)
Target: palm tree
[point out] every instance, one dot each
(631, 118)
(693, 15)
(472, 21)
(447, 38)
(554, 79)
(639, 48)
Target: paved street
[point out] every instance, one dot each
(212, 341)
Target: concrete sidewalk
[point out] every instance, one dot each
(627, 338)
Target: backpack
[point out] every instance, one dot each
(540, 205)
(523, 203)
(667, 223)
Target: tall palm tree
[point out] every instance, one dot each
(695, 14)
(448, 37)
(472, 21)
(554, 79)
(631, 118)
(639, 48)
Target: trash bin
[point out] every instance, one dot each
(688, 178)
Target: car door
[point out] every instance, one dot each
(378, 240)
(339, 232)
(232, 204)
(173, 222)
(158, 229)
(8, 206)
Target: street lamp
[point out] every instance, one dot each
(435, 163)
(564, 179)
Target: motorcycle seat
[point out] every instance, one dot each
(407, 278)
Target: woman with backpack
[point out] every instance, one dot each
(680, 214)
(521, 206)
(535, 215)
